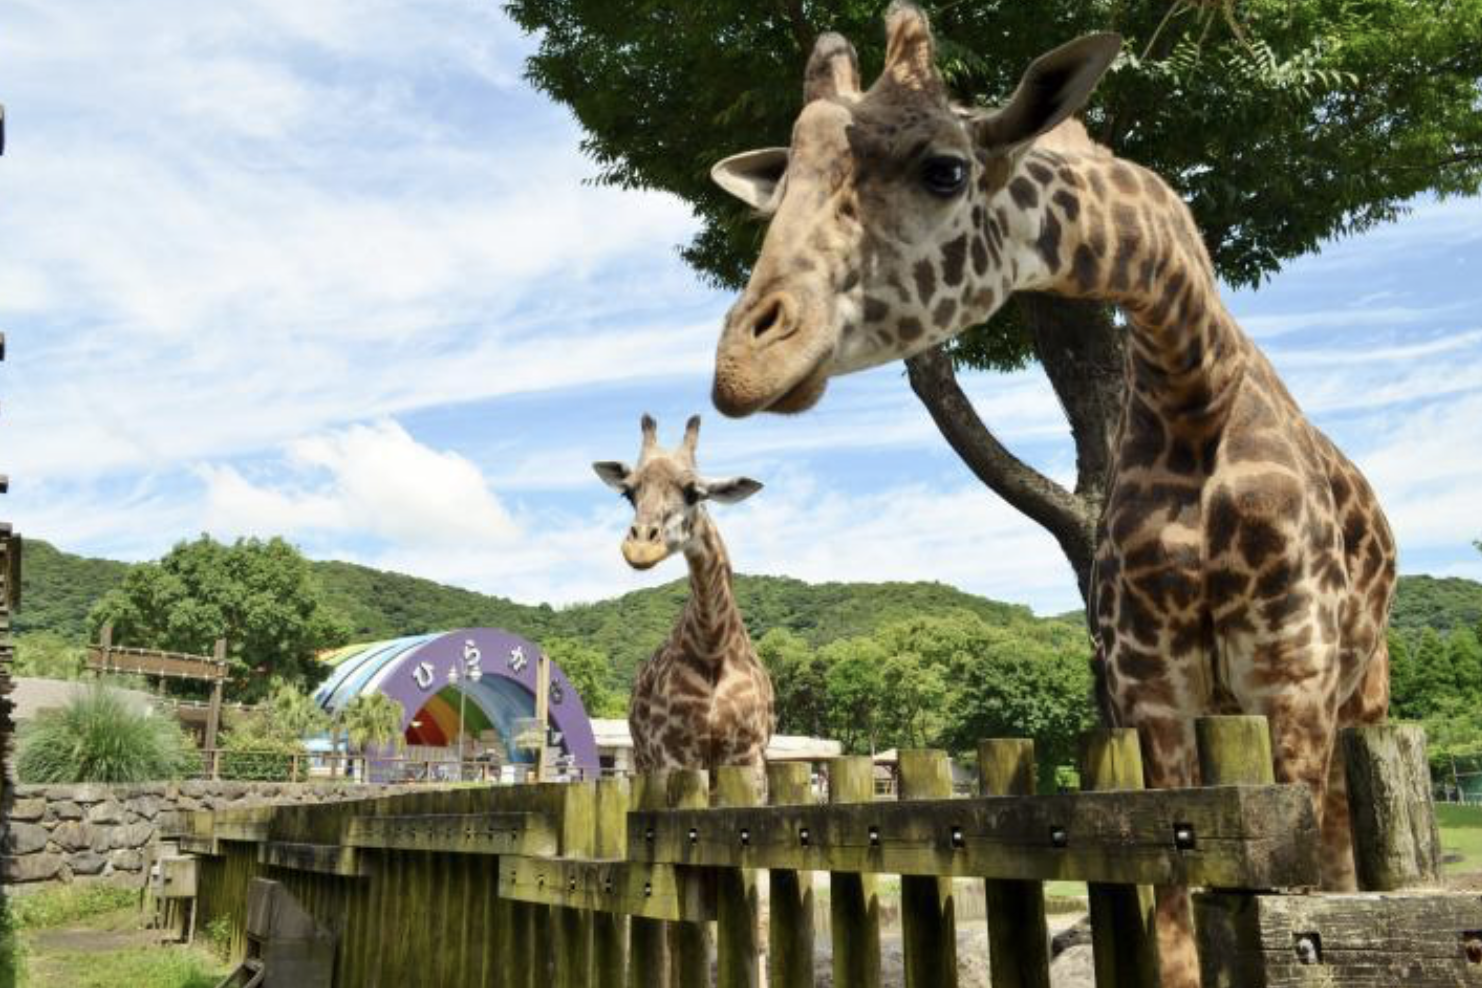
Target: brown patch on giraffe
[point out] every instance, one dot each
(1048, 243)
(945, 310)
(1069, 203)
(926, 280)
(1258, 540)
(1124, 178)
(1084, 268)
(909, 329)
(980, 256)
(1025, 195)
(954, 258)
(874, 309)
(1040, 173)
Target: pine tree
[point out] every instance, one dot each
(1401, 676)
(1465, 653)
(1435, 681)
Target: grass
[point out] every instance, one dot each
(1461, 834)
(131, 967)
(68, 904)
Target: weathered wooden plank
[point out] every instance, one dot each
(928, 909)
(648, 958)
(689, 943)
(457, 833)
(204, 846)
(1396, 843)
(1358, 940)
(573, 927)
(790, 930)
(323, 859)
(1018, 934)
(854, 906)
(1124, 939)
(737, 931)
(610, 930)
(651, 891)
(1243, 837)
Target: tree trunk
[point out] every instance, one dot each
(1082, 352)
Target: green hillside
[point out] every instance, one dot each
(59, 588)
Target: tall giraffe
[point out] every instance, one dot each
(1243, 563)
(704, 699)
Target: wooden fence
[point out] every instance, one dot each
(647, 883)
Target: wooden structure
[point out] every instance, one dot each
(106, 657)
(575, 884)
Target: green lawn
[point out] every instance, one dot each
(1461, 833)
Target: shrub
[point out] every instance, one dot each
(97, 737)
(258, 749)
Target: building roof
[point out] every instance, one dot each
(613, 733)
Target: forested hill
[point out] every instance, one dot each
(59, 588)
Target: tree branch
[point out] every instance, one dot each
(1069, 518)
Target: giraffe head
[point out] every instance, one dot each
(666, 491)
(873, 251)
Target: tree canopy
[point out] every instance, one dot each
(260, 595)
(1294, 122)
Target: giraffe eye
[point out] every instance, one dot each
(944, 175)
(691, 495)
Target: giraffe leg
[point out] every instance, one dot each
(1169, 762)
(1303, 736)
(1368, 705)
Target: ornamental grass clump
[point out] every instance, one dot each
(99, 737)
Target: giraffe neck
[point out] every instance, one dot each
(711, 621)
(1091, 226)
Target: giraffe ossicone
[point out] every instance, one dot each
(1243, 563)
(703, 699)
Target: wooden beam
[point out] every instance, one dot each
(1255, 837)
(648, 891)
(458, 833)
(1359, 940)
(322, 859)
(1018, 933)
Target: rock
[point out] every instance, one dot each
(28, 809)
(87, 863)
(75, 836)
(1076, 968)
(147, 807)
(105, 812)
(25, 838)
(131, 835)
(127, 860)
(1075, 935)
(66, 810)
(31, 868)
(89, 794)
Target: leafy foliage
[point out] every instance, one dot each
(372, 720)
(260, 595)
(49, 655)
(1285, 124)
(1436, 602)
(59, 588)
(98, 737)
(590, 671)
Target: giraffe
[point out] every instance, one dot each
(703, 699)
(1243, 563)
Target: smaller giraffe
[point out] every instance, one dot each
(703, 699)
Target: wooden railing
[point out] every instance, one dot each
(642, 883)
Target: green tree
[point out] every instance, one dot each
(98, 736)
(856, 692)
(1315, 119)
(294, 712)
(1402, 681)
(48, 655)
(259, 595)
(372, 720)
(590, 671)
(1465, 655)
(799, 682)
(1434, 680)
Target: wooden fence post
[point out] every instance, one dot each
(1234, 751)
(1018, 935)
(928, 927)
(609, 930)
(648, 962)
(689, 943)
(854, 907)
(790, 926)
(213, 712)
(736, 939)
(1124, 937)
(573, 927)
(1395, 840)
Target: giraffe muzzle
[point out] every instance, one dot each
(644, 553)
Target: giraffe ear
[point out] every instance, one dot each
(753, 177)
(730, 490)
(612, 473)
(1055, 85)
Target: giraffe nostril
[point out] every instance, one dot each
(768, 319)
(633, 532)
(653, 533)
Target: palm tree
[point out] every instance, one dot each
(372, 719)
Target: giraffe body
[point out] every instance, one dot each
(703, 699)
(1243, 563)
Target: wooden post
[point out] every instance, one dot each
(609, 930)
(854, 907)
(213, 714)
(105, 646)
(1018, 935)
(689, 943)
(1234, 751)
(1395, 840)
(1124, 937)
(790, 929)
(648, 963)
(542, 712)
(928, 926)
(736, 929)
(573, 927)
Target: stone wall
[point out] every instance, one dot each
(62, 833)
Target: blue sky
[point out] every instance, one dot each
(331, 270)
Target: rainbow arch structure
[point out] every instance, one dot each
(414, 672)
